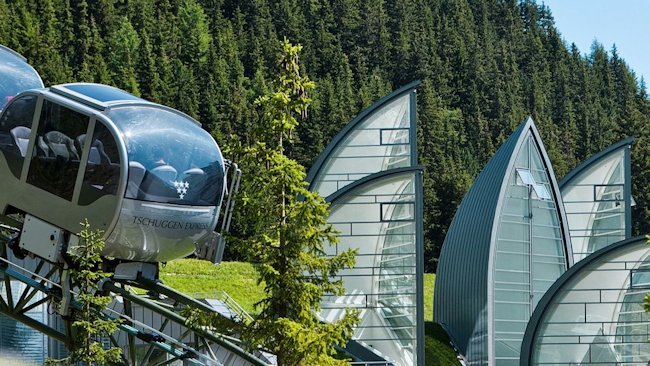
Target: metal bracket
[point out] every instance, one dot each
(213, 248)
(66, 292)
(232, 193)
(134, 270)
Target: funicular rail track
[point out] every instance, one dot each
(145, 344)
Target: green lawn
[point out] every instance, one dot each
(437, 351)
(239, 280)
(429, 281)
(193, 276)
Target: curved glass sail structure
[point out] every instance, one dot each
(380, 138)
(380, 219)
(505, 247)
(369, 173)
(594, 313)
(597, 200)
(529, 254)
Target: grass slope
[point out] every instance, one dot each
(437, 349)
(198, 277)
(239, 280)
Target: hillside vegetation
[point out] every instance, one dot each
(484, 65)
(239, 280)
(203, 279)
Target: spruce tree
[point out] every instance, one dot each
(147, 76)
(4, 23)
(48, 55)
(81, 56)
(490, 63)
(124, 45)
(290, 232)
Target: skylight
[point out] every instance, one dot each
(526, 178)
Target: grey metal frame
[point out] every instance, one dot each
(628, 193)
(42, 280)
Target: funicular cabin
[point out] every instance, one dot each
(147, 175)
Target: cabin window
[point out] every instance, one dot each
(15, 128)
(171, 159)
(102, 168)
(55, 160)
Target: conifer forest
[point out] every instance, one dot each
(484, 66)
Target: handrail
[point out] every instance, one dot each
(231, 303)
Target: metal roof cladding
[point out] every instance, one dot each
(462, 278)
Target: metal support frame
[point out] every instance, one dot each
(627, 194)
(37, 282)
(195, 346)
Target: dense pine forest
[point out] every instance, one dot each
(484, 66)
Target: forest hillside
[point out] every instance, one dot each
(484, 66)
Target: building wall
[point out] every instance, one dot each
(597, 199)
(594, 313)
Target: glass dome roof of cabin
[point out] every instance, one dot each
(99, 92)
(16, 75)
(97, 96)
(158, 140)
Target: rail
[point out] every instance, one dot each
(231, 303)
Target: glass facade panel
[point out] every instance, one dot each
(640, 278)
(398, 211)
(395, 136)
(633, 326)
(529, 253)
(383, 282)
(595, 204)
(608, 224)
(597, 317)
(380, 142)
